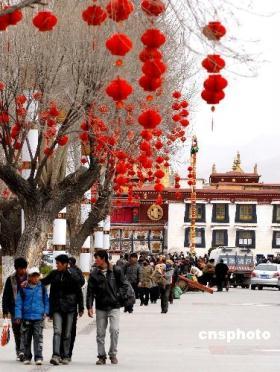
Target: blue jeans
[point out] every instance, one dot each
(33, 329)
(62, 326)
(102, 318)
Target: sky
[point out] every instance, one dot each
(248, 118)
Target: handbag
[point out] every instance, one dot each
(5, 336)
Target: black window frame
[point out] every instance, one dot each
(254, 215)
(214, 213)
(274, 245)
(274, 214)
(253, 245)
(187, 239)
(214, 233)
(187, 213)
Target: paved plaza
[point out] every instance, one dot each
(154, 342)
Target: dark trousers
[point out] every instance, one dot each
(62, 327)
(33, 329)
(164, 297)
(136, 290)
(154, 293)
(220, 281)
(73, 334)
(18, 337)
(144, 294)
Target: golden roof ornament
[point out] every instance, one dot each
(237, 164)
(214, 169)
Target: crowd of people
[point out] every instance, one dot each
(150, 278)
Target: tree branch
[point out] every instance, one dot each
(21, 5)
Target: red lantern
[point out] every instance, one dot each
(214, 31)
(212, 97)
(62, 140)
(184, 122)
(153, 38)
(119, 10)
(159, 187)
(159, 160)
(153, 7)
(176, 118)
(150, 53)
(158, 145)
(84, 137)
(176, 106)
(145, 146)
(10, 19)
(119, 44)
(159, 173)
(184, 113)
(154, 68)
(94, 15)
(213, 63)
(157, 132)
(150, 84)
(190, 169)
(184, 104)
(149, 119)
(45, 21)
(215, 83)
(15, 17)
(147, 135)
(176, 94)
(121, 168)
(119, 89)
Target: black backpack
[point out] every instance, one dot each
(126, 295)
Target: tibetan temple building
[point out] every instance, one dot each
(234, 209)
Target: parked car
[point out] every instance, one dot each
(266, 275)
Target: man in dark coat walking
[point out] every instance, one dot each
(221, 272)
(104, 284)
(65, 296)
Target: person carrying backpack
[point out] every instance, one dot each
(108, 287)
(31, 307)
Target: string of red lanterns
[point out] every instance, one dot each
(215, 84)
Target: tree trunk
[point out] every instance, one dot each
(34, 238)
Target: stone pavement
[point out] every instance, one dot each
(153, 342)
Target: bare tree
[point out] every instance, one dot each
(71, 67)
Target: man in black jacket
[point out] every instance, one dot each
(12, 286)
(221, 271)
(65, 296)
(103, 286)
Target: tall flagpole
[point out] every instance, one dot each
(194, 150)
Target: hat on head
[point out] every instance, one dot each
(33, 270)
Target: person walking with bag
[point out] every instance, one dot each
(132, 274)
(32, 306)
(12, 286)
(105, 286)
(65, 296)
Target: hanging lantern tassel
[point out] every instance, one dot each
(212, 123)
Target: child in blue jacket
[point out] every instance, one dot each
(32, 305)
